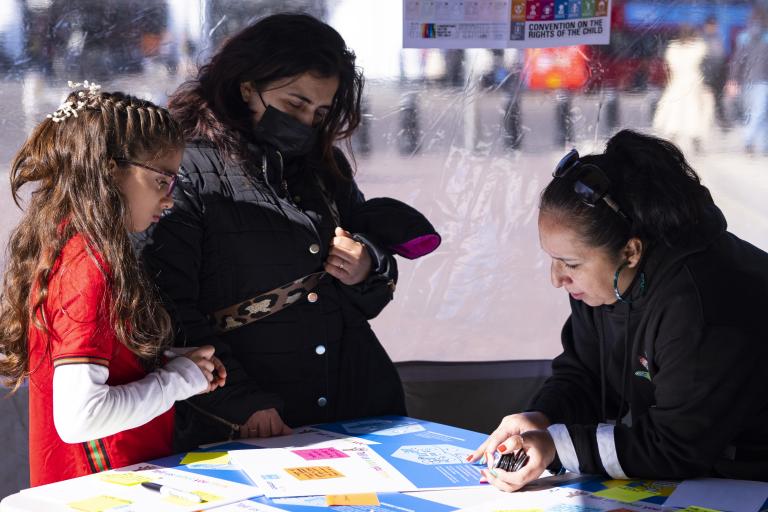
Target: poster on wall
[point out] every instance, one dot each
(505, 23)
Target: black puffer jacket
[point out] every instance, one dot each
(235, 233)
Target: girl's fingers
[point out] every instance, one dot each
(204, 352)
(221, 370)
(206, 365)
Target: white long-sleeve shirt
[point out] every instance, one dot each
(85, 407)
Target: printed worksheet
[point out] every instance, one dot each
(337, 467)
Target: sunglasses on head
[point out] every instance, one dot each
(173, 178)
(591, 185)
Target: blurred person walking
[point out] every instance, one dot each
(686, 107)
(749, 77)
(714, 67)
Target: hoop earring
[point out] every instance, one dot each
(616, 284)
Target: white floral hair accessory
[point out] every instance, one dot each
(69, 108)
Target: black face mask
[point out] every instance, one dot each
(284, 133)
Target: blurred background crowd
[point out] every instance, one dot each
(467, 136)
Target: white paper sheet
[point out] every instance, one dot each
(249, 506)
(720, 494)
(556, 499)
(306, 436)
(140, 498)
(338, 467)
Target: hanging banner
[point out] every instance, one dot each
(505, 23)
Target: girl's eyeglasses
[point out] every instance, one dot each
(173, 178)
(591, 185)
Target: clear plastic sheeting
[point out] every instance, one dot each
(469, 137)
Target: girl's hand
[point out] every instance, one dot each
(348, 260)
(539, 447)
(210, 365)
(512, 425)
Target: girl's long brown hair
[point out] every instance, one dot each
(71, 164)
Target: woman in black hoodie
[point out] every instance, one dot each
(662, 373)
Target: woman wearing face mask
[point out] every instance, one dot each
(662, 374)
(266, 251)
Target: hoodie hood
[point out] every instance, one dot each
(661, 260)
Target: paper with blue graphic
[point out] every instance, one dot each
(430, 455)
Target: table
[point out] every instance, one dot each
(410, 433)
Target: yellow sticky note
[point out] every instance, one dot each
(368, 498)
(215, 458)
(98, 504)
(626, 494)
(313, 473)
(694, 508)
(615, 483)
(124, 478)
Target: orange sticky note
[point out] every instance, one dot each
(313, 472)
(365, 499)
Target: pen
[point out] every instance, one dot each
(512, 461)
(164, 490)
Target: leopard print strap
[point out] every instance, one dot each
(266, 304)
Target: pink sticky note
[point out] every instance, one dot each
(320, 453)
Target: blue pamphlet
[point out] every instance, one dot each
(430, 455)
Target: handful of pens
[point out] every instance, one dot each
(512, 461)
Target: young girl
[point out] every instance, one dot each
(77, 315)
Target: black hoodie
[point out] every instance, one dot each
(686, 359)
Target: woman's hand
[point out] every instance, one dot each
(210, 365)
(265, 423)
(348, 260)
(512, 425)
(540, 449)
